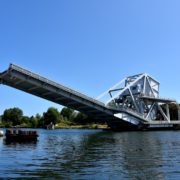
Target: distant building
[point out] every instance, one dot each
(50, 126)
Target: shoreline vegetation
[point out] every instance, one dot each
(62, 126)
(64, 119)
(87, 126)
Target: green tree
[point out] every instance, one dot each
(68, 113)
(24, 121)
(33, 122)
(52, 115)
(173, 110)
(13, 115)
(80, 118)
(40, 120)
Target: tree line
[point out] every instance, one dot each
(15, 117)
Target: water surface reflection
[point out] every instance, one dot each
(94, 154)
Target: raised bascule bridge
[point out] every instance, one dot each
(132, 104)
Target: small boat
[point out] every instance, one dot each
(17, 135)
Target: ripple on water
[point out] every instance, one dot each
(93, 154)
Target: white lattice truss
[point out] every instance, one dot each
(138, 94)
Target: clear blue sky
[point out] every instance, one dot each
(89, 45)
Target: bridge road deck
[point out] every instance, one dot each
(37, 85)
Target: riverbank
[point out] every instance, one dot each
(67, 126)
(87, 126)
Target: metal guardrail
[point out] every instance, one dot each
(52, 83)
(163, 122)
(158, 98)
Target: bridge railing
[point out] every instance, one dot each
(157, 98)
(50, 82)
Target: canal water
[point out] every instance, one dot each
(93, 154)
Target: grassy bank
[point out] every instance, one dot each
(87, 126)
(64, 125)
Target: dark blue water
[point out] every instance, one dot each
(93, 154)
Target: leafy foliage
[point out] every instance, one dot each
(68, 113)
(52, 115)
(173, 110)
(12, 115)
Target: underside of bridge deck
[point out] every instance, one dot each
(34, 84)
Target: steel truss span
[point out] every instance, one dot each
(133, 103)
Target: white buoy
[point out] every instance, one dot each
(1, 133)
